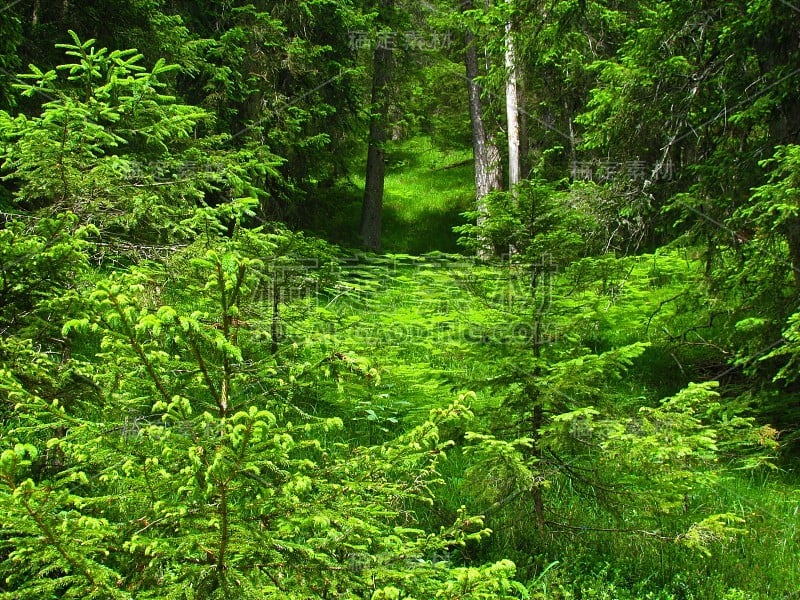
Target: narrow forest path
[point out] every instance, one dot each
(427, 187)
(412, 320)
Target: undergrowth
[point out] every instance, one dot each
(411, 320)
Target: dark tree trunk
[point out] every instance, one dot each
(488, 168)
(536, 492)
(376, 154)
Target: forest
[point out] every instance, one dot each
(383, 300)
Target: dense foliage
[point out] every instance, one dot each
(581, 385)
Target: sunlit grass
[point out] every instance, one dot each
(426, 189)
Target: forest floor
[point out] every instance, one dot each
(415, 322)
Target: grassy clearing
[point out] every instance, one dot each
(426, 189)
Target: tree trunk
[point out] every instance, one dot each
(512, 114)
(486, 154)
(522, 116)
(512, 107)
(512, 111)
(376, 153)
(542, 285)
(536, 491)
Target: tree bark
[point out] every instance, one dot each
(486, 154)
(512, 106)
(376, 154)
(512, 113)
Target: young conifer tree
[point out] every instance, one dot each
(178, 466)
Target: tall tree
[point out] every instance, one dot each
(378, 134)
(488, 174)
(512, 102)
